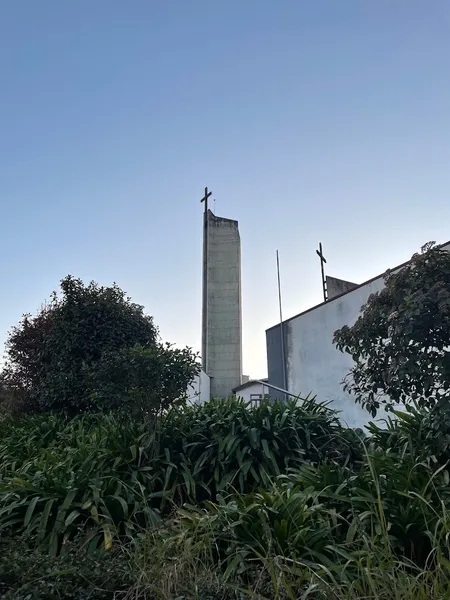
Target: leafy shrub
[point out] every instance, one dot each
(328, 524)
(391, 505)
(395, 495)
(226, 445)
(60, 359)
(278, 501)
(246, 529)
(87, 473)
(424, 434)
(400, 342)
(115, 475)
(141, 379)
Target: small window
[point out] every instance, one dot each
(256, 396)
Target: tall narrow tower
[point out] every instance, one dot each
(222, 317)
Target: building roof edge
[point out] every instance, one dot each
(360, 285)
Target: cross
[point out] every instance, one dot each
(205, 199)
(323, 260)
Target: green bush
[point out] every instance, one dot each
(223, 446)
(417, 430)
(383, 530)
(93, 349)
(400, 342)
(87, 473)
(116, 475)
(327, 513)
(141, 380)
(222, 500)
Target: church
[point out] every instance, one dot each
(301, 357)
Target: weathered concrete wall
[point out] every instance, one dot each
(313, 363)
(222, 321)
(199, 391)
(336, 287)
(274, 360)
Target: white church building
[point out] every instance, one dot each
(302, 358)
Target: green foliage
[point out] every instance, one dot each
(285, 521)
(59, 477)
(141, 379)
(113, 475)
(226, 445)
(328, 527)
(31, 574)
(341, 530)
(400, 343)
(61, 359)
(8, 405)
(224, 501)
(417, 431)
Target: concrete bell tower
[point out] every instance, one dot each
(222, 313)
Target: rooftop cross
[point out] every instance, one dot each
(323, 260)
(205, 199)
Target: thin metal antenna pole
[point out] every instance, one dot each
(283, 357)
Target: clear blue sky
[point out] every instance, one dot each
(320, 120)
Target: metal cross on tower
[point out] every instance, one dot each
(205, 199)
(323, 260)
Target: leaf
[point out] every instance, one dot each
(10, 522)
(94, 513)
(30, 511)
(44, 519)
(71, 518)
(123, 504)
(107, 540)
(68, 499)
(93, 544)
(351, 531)
(188, 482)
(267, 451)
(54, 543)
(254, 437)
(341, 552)
(167, 476)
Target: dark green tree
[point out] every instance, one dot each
(92, 348)
(400, 343)
(142, 378)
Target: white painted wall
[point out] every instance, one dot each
(199, 390)
(315, 365)
(252, 390)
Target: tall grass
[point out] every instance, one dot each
(322, 532)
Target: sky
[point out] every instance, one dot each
(310, 121)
